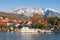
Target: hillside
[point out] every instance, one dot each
(27, 13)
(13, 16)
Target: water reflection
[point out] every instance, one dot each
(19, 36)
(26, 37)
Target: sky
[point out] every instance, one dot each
(7, 5)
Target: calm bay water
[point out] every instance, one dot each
(18, 36)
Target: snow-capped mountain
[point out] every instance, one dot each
(51, 13)
(27, 11)
(30, 11)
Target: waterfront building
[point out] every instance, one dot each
(28, 30)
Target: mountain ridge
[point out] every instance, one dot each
(30, 11)
(26, 13)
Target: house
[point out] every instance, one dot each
(28, 30)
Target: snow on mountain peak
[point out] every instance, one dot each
(30, 11)
(51, 9)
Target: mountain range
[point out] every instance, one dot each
(31, 11)
(26, 13)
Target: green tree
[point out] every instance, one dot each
(42, 26)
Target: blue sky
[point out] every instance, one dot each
(6, 5)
